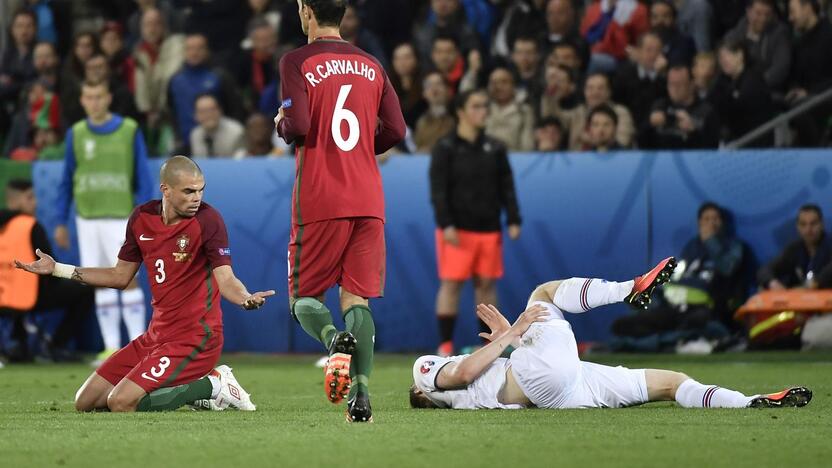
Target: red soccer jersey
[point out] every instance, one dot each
(179, 260)
(341, 110)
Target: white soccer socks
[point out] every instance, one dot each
(692, 394)
(108, 313)
(579, 295)
(134, 311)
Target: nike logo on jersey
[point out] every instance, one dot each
(143, 238)
(145, 376)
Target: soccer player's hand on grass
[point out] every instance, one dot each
(256, 300)
(44, 265)
(495, 321)
(535, 313)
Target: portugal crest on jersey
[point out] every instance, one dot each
(182, 243)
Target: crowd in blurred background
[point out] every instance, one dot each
(200, 76)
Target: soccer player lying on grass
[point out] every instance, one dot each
(544, 370)
(184, 246)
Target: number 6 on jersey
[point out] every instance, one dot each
(341, 114)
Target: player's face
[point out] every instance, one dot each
(810, 227)
(95, 100)
(185, 195)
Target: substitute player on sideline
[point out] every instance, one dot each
(545, 370)
(340, 110)
(184, 246)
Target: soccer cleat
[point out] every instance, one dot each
(644, 285)
(231, 394)
(445, 349)
(359, 410)
(337, 379)
(101, 357)
(793, 397)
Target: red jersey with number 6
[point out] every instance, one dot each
(340, 110)
(179, 259)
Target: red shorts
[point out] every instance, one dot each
(478, 254)
(346, 251)
(152, 365)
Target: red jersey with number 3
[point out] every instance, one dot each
(179, 259)
(341, 110)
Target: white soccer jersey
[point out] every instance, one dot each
(482, 394)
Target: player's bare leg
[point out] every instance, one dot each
(93, 394)
(447, 308)
(125, 397)
(359, 323)
(485, 292)
(128, 396)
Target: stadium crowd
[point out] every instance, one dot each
(560, 74)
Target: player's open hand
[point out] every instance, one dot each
(256, 300)
(44, 265)
(535, 313)
(496, 322)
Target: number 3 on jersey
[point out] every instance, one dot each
(160, 271)
(341, 114)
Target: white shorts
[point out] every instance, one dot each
(547, 368)
(99, 241)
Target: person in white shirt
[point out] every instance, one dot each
(544, 370)
(215, 136)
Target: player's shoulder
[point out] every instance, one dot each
(152, 207)
(490, 144)
(207, 215)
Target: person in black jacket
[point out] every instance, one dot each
(741, 95)
(52, 293)
(471, 183)
(806, 262)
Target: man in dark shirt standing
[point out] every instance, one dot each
(471, 182)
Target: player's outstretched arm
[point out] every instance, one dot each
(117, 277)
(234, 291)
(462, 373)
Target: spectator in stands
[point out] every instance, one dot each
(16, 67)
(567, 55)
(170, 17)
(767, 41)
(222, 22)
(437, 121)
(119, 58)
(525, 58)
(353, 32)
(40, 110)
(254, 69)
(46, 63)
(258, 137)
(597, 91)
(560, 97)
(445, 17)
(157, 56)
(72, 75)
(549, 135)
(708, 285)
(704, 75)
(509, 120)
(677, 47)
(741, 96)
(695, 19)
(447, 60)
(197, 77)
(471, 183)
(562, 28)
(681, 121)
(602, 124)
(104, 147)
(811, 71)
(640, 81)
(26, 294)
(263, 10)
(804, 263)
(521, 18)
(96, 70)
(215, 136)
(610, 26)
(407, 81)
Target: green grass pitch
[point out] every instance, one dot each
(295, 426)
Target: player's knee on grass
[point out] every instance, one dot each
(663, 384)
(93, 394)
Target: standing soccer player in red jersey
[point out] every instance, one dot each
(340, 110)
(184, 246)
